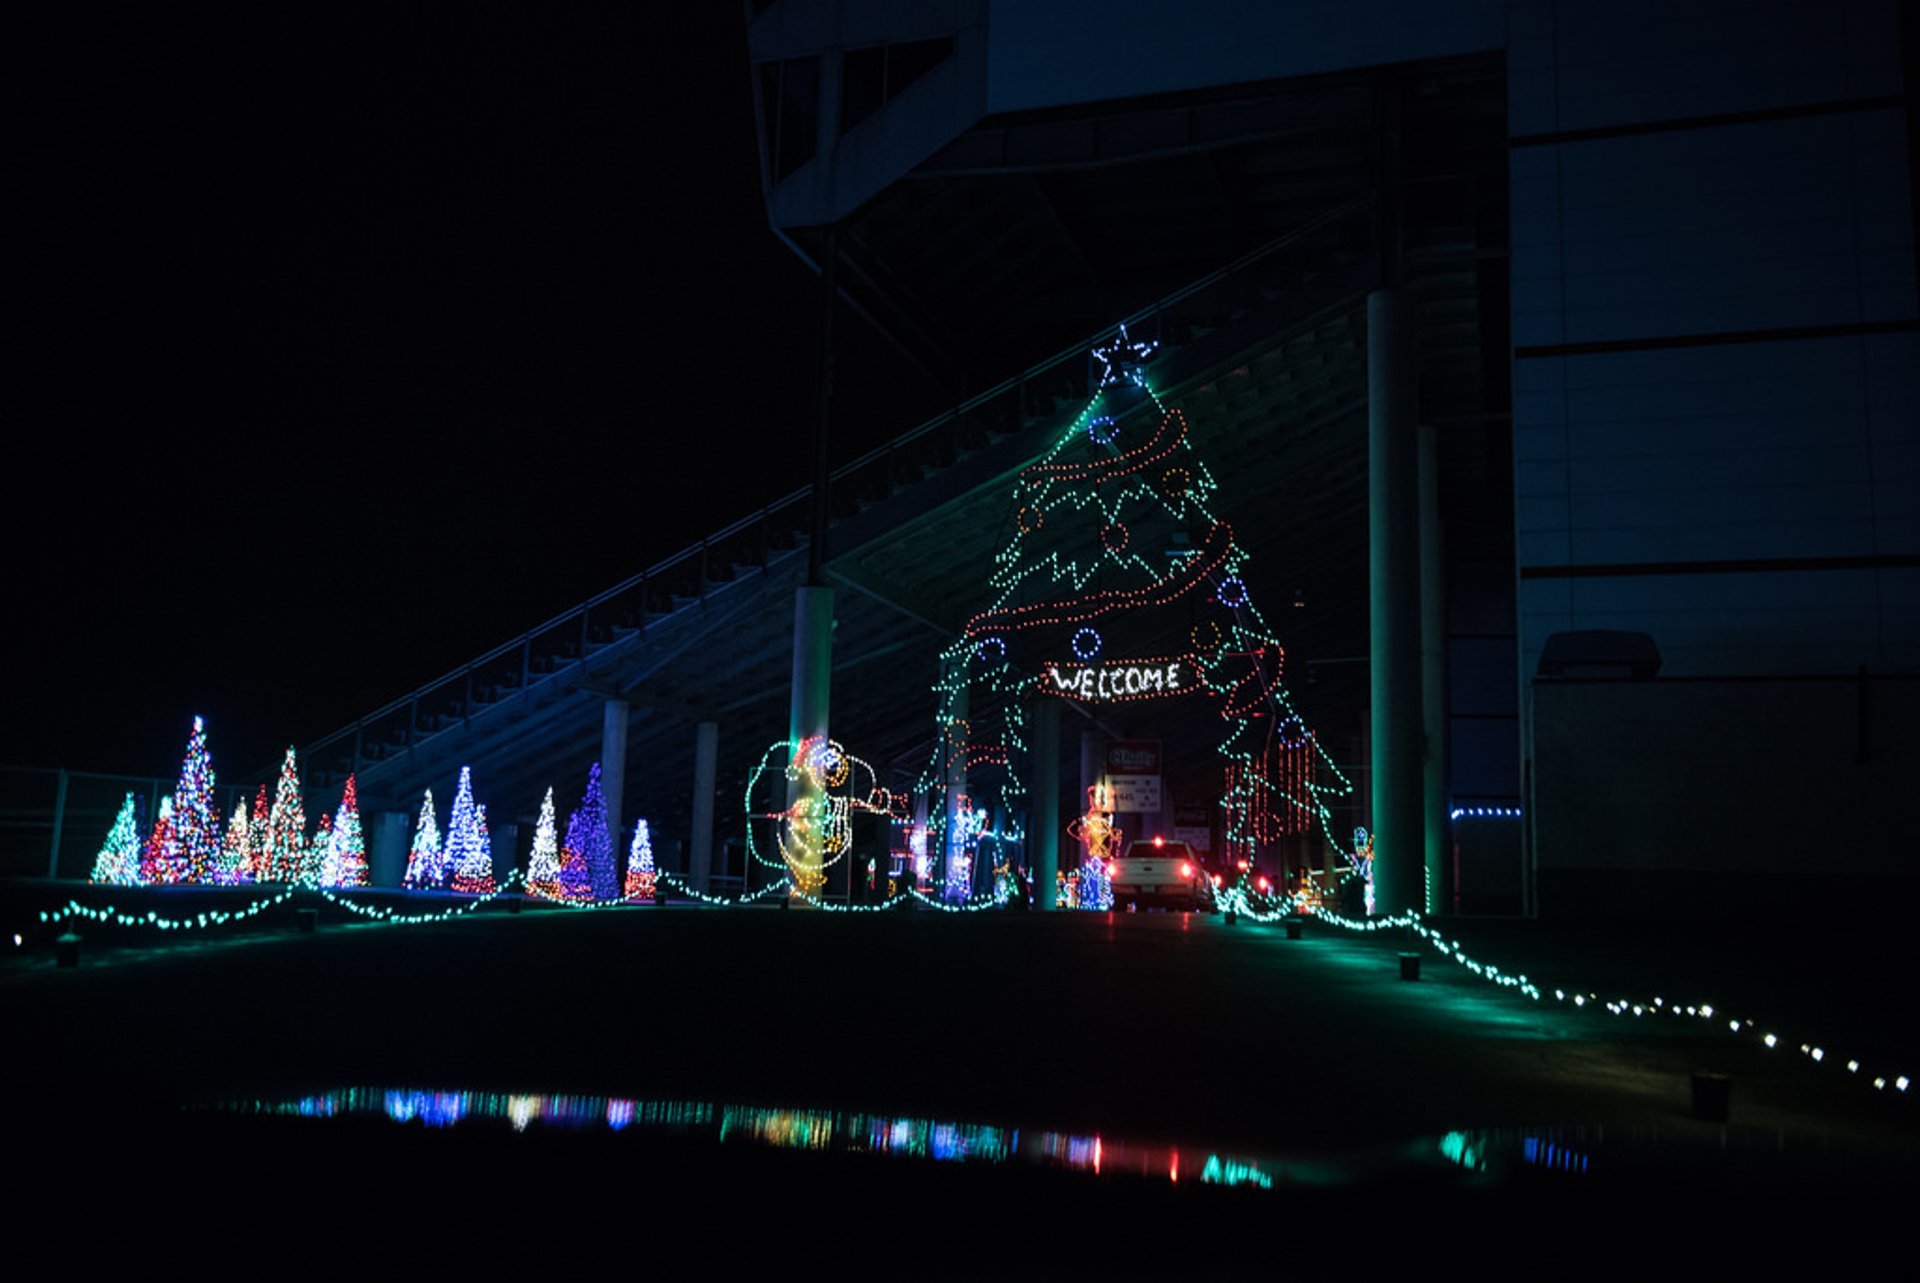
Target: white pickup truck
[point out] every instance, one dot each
(1159, 872)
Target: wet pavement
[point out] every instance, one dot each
(1171, 1042)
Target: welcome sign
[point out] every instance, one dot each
(1121, 679)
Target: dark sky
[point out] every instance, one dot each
(348, 351)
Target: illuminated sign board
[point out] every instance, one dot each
(1137, 679)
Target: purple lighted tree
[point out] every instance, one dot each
(586, 861)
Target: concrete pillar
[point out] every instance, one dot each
(503, 843)
(706, 752)
(1044, 825)
(1393, 550)
(917, 847)
(389, 834)
(812, 685)
(613, 769)
(957, 875)
(1434, 802)
(1093, 770)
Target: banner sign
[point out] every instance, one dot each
(1122, 679)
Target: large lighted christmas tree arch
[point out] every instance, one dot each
(1111, 527)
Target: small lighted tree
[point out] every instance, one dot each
(118, 863)
(196, 827)
(586, 858)
(346, 863)
(257, 838)
(543, 868)
(236, 849)
(160, 861)
(640, 870)
(286, 848)
(424, 861)
(468, 859)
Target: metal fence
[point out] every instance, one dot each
(54, 822)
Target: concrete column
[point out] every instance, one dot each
(812, 685)
(503, 843)
(706, 752)
(1043, 825)
(389, 834)
(1434, 802)
(613, 769)
(956, 882)
(1393, 549)
(920, 828)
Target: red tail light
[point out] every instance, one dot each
(1217, 881)
(1186, 870)
(1113, 868)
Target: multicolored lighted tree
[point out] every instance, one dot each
(160, 862)
(118, 863)
(236, 848)
(1119, 582)
(196, 825)
(257, 837)
(346, 862)
(468, 859)
(543, 867)
(286, 846)
(426, 864)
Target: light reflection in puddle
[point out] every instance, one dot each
(840, 1131)
(1554, 1155)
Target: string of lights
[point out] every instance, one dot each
(1239, 901)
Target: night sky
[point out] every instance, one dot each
(349, 351)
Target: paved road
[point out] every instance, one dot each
(1153, 1027)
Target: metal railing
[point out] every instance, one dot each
(565, 641)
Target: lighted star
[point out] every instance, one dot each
(1122, 359)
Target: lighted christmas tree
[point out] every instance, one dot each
(160, 860)
(1118, 582)
(640, 870)
(286, 845)
(236, 849)
(586, 858)
(257, 838)
(196, 826)
(346, 864)
(316, 853)
(118, 863)
(426, 868)
(543, 868)
(486, 844)
(468, 859)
